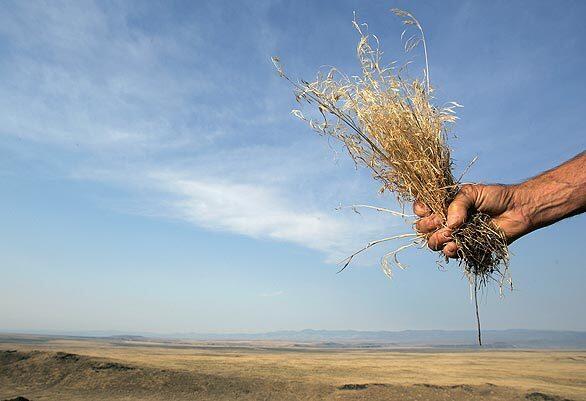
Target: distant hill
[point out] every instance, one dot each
(412, 338)
(372, 339)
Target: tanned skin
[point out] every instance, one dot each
(517, 209)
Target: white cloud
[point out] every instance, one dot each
(237, 198)
(165, 115)
(249, 209)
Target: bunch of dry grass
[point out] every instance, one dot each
(388, 123)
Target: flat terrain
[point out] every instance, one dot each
(51, 368)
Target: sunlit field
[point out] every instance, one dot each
(123, 369)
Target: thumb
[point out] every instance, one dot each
(458, 209)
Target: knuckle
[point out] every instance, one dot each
(427, 224)
(446, 234)
(433, 243)
(420, 209)
(450, 254)
(451, 250)
(466, 189)
(437, 241)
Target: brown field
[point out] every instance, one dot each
(50, 368)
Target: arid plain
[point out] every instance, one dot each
(53, 368)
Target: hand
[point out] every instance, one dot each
(503, 203)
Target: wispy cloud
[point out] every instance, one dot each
(254, 210)
(245, 204)
(162, 114)
(85, 76)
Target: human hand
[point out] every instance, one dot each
(504, 203)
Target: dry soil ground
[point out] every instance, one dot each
(43, 368)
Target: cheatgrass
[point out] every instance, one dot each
(389, 123)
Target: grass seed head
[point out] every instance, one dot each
(388, 123)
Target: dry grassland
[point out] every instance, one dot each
(87, 369)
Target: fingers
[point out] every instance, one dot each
(437, 240)
(428, 224)
(420, 209)
(442, 240)
(450, 250)
(458, 209)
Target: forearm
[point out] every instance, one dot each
(554, 195)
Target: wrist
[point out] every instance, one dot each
(525, 206)
(543, 201)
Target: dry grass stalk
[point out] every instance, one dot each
(388, 123)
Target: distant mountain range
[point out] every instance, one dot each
(501, 338)
(372, 339)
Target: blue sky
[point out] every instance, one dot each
(153, 179)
